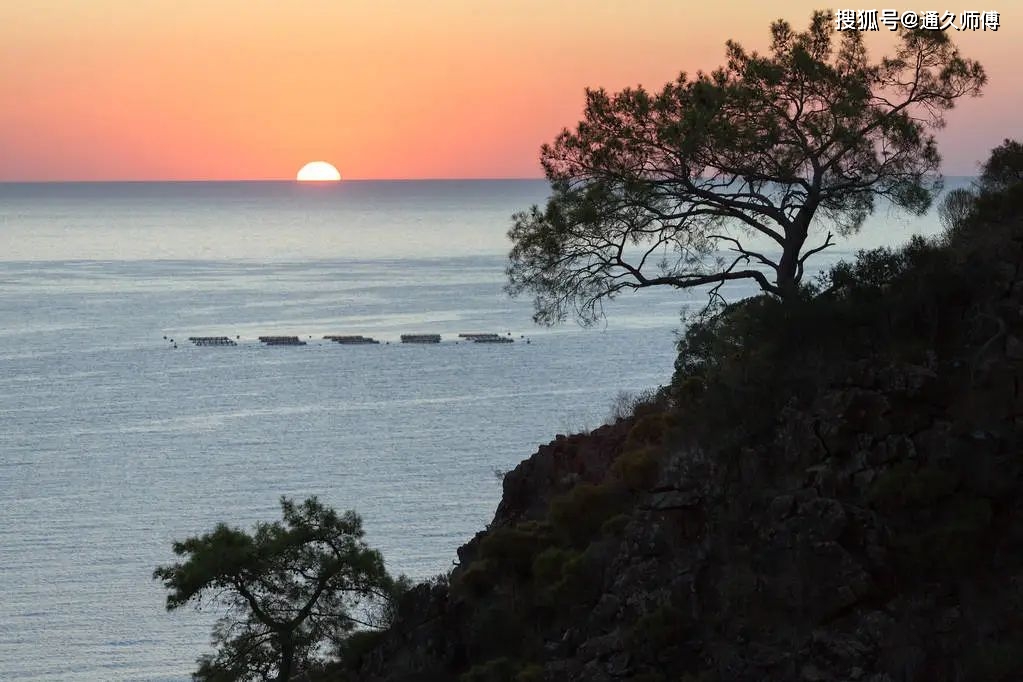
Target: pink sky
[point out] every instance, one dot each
(117, 90)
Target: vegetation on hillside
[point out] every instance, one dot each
(947, 306)
(743, 362)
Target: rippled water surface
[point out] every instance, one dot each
(113, 442)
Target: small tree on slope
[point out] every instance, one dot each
(293, 589)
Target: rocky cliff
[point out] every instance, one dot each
(828, 492)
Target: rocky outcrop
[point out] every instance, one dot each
(878, 536)
(872, 531)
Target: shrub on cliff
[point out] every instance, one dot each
(738, 365)
(997, 193)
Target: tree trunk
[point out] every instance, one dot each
(788, 267)
(287, 655)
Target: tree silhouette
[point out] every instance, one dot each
(1003, 168)
(651, 189)
(993, 191)
(292, 590)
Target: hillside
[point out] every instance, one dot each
(828, 490)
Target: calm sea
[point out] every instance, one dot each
(114, 443)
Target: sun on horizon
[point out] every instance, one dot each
(318, 171)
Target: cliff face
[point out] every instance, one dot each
(870, 529)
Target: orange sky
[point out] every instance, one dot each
(252, 89)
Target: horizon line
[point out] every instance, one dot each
(299, 182)
(194, 180)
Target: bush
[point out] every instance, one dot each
(353, 648)
(512, 550)
(627, 404)
(549, 566)
(638, 469)
(579, 514)
(477, 579)
(649, 429)
(582, 579)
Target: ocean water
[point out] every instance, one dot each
(114, 443)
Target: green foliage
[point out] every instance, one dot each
(512, 550)
(579, 514)
(477, 578)
(638, 469)
(549, 566)
(638, 465)
(650, 429)
(290, 589)
(660, 188)
(582, 578)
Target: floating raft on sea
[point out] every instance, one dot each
(486, 338)
(282, 340)
(420, 338)
(350, 340)
(211, 341)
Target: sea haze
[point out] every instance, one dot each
(113, 443)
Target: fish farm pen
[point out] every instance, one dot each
(212, 341)
(282, 340)
(349, 339)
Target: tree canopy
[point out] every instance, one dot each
(292, 589)
(668, 188)
(1004, 168)
(995, 190)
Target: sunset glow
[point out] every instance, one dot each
(233, 90)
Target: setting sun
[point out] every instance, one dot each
(318, 171)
